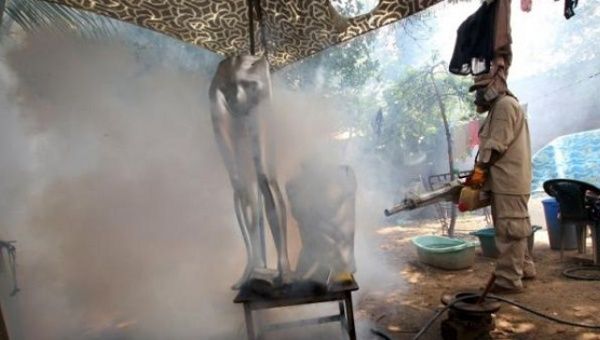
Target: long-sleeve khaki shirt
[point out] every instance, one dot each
(501, 132)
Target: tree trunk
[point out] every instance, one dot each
(449, 143)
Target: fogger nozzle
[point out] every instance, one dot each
(449, 192)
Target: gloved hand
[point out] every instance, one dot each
(477, 178)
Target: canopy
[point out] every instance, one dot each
(575, 156)
(291, 30)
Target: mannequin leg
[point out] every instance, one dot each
(276, 216)
(247, 210)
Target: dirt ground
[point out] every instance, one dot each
(403, 307)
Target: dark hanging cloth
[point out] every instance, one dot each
(494, 82)
(570, 8)
(474, 48)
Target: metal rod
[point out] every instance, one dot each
(251, 26)
(304, 322)
(262, 27)
(489, 285)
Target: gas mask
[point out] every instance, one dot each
(490, 86)
(484, 96)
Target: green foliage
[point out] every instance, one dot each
(335, 71)
(341, 70)
(344, 73)
(413, 116)
(37, 15)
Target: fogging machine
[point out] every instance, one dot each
(455, 191)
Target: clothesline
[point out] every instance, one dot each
(564, 87)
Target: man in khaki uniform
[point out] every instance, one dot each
(504, 169)
(504, 163)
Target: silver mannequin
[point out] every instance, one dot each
(322, 200)
(240, 93)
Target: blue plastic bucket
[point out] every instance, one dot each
(551, 210)
(487, 240)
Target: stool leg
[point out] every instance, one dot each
(342, 317)
(596, 243)
(249, 322)
(585, 233)
(350, 315)
(562, 240)
(581, 231)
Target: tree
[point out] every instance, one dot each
(344, 71)
(412, 100)
(411, 123)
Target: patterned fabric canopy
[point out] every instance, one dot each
(292, 29)
(575, 156)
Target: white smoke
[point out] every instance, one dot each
(126, 221)
(114, 189)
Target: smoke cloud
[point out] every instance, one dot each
(126, 223)
(113, 187)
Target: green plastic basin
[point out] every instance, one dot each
(444, 252)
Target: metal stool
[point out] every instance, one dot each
(340, 293)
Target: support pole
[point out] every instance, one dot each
(250, 4)
(262, 27)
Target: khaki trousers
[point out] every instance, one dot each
(512, 225)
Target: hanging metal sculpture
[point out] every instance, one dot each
(239, 96)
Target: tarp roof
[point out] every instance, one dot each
(292, 29)
(574, 156)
